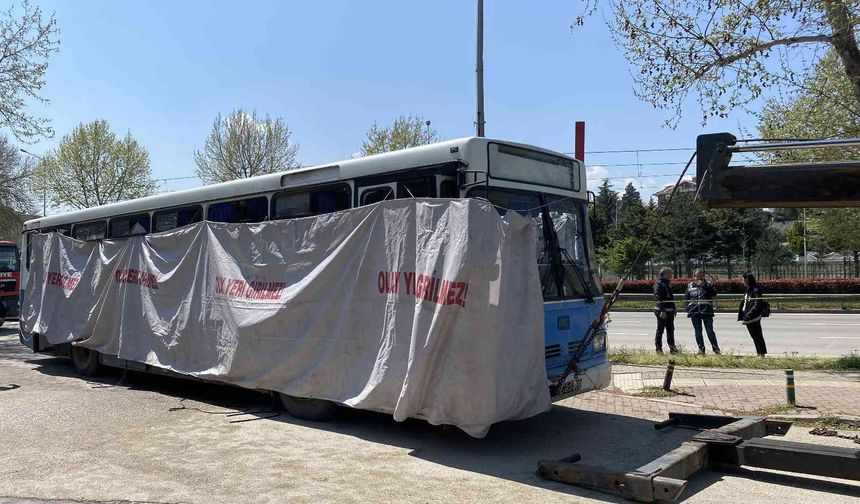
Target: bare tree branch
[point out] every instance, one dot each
(244, 145)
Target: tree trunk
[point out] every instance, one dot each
(843, 40)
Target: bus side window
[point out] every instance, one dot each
(129, 226)
(63, 230)
(448, 189)
(246, 210)
(331, 199)
(291, 206)
(90, 231)
(166, 220)
(320, 201)
(423, 187)
(376, 195)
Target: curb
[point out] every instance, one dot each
(773, 311)
(838, 416)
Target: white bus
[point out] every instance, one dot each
(545, 185)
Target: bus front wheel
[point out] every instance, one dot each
(315, 410)
(86, 361)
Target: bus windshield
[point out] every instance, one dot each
(8, 258)
(564, 261)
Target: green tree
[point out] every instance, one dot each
(794, 237)
(93, 167)
(769, 251)
(15, 195)
(685, 234)
(736, 233)
(27, 42)
(624, 255)
(725, 53)
(837, 229)
(823, 107)
(244, 145)
(603, 213)
(406, 131)
(633, 217)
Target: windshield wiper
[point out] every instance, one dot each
(589, 296)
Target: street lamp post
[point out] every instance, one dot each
(44, 189)
(479, 72)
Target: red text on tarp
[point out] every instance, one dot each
(427, 287)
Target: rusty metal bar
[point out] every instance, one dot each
(807, 458)
(725, 442)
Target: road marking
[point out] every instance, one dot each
(833, 324)
(839, 337)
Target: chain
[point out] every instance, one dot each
(572, 366)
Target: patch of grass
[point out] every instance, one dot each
(849, 361)
(641, 357)
(654, 392)
(829, 421)
(776, 409)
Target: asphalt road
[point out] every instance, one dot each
(147, 438)
(805, 333)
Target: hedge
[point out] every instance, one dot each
(736, 285)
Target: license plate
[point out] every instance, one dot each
(571, 386)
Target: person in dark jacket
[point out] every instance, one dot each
(664, 309)
(700, 310)
(750, 313)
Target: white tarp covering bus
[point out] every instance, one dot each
(545, 187)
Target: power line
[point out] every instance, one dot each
(632, 151)
(179, 178)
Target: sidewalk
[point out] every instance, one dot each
(742, 391)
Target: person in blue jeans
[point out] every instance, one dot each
(700, 310)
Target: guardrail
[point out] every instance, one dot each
(731, 300)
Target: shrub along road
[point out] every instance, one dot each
(804, 333)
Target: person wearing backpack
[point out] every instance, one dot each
(664, 310)
(751, 311)
(700, 310)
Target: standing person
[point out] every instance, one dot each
(751, 311)
(700, 310)
(664, 309)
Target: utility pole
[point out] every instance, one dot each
(805, 275)
(479, 72)
(44, 189)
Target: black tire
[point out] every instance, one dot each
(316, 410)
(86, 361)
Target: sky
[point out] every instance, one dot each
(162, 71)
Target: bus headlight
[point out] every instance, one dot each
(598, 344)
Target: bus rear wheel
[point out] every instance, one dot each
(86, 361)
(316, 410)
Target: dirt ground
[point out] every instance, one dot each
(160, 439)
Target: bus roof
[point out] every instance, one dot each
(424, 155)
